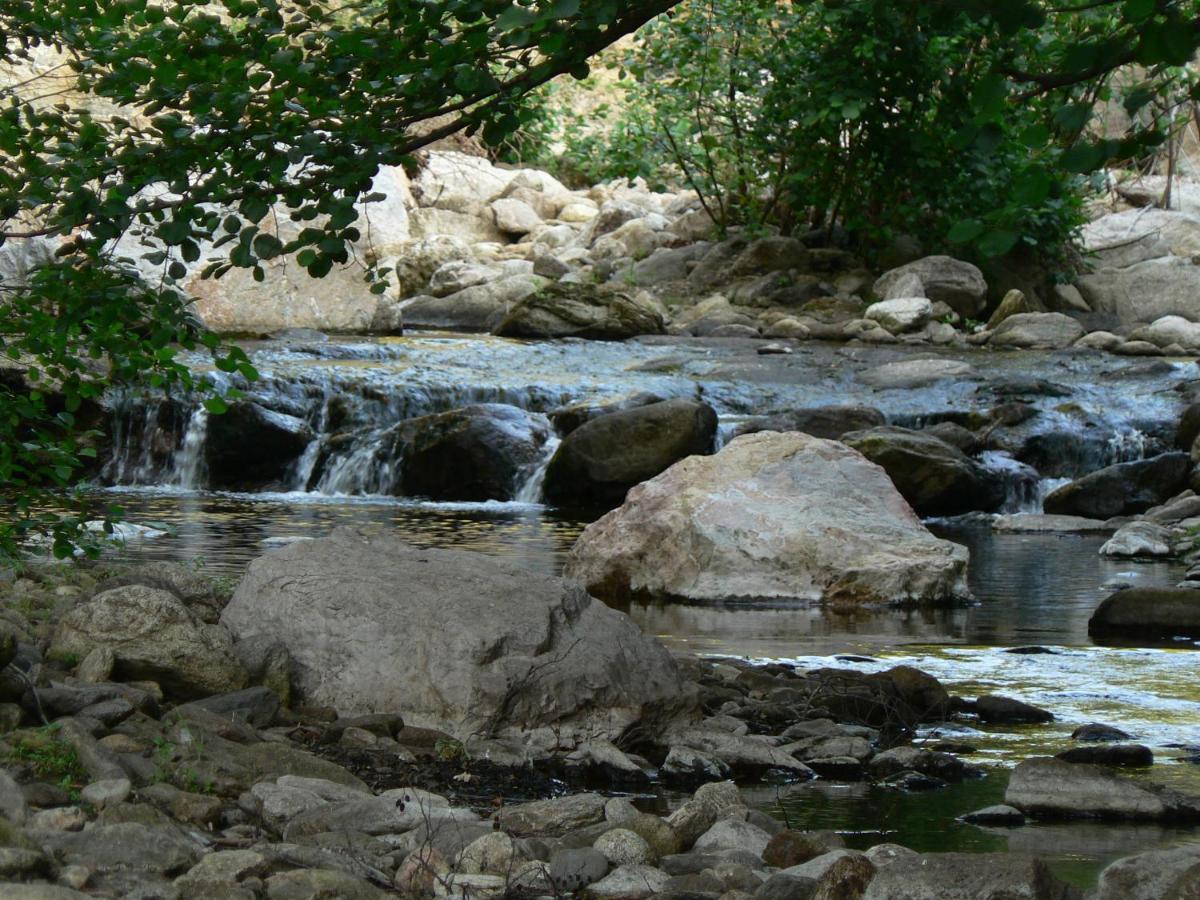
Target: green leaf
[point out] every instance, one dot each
(216, 406)
(1137, 10)
(966, 231)
(563, 9)
(998, 242)
(515, 17)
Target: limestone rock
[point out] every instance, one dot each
(478, 308)
(153, 637)
(759, 519)
(1145, 292)
(579, 310)
(453, 640)
(1036, 331)
(901, 315)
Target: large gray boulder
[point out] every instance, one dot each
(1050, 788)
(772, 516)
(453, 640)
(968, 876)
(1036, 331)
(477, 308)
(602, 459)
(1141, 293)
(1153, 875)
(153, 636)
(1154, 232)
(1123, 489)
(580, 310)
(935, 477)
(1161, 613)
(958, 284)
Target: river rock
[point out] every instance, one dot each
(1123, 489)
(124, 846)
(1169, 330)
(453, 640)
(968, 876)
(1053, 789)
(1178, 232)
(153, 637)
(1141, 293)
(250, 447)
(458, 275)
(601, 460)
(993, 708)
(1036, 331)
(553, 817)
(628, 883)
(1140, 539)
(780, 516)
(902, 315)
(935, 477)
(829, 422)
(958, 284)
(571, 870)
(481, 452)
(1161, 613)
(582, 311)
(478, 308)
(1154, 875)
(1109, 754)
(1000, 815)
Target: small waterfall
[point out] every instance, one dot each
(531, 490)
(189, 468)
(365, 469)
(1022, 484)
(1128, 446)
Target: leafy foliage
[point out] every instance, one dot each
(200, 122)
(966, 124)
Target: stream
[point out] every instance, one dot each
(1031, 589)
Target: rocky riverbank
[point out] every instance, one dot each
(156, 743)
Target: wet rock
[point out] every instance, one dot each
(527, 650)
(1148, 613)
(933, 476)
(1109, 754)
(759, 515)
(1053, 789)
(911, 374)
(958, 284)
(478, 308)
(992, 816)
(829, 422)
(1123, 489)
(686, 766)
(740, 753)
(153, 637)
(1099, 732)
(601, 460)
(1153, 875)
(581, 311)
(968, 876)
(255, 706)
(993, 708)
(249, 446)
(480, 452)
(567, 418)
(943, 766)
(914, 782)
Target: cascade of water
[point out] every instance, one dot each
(189, 468)
(1021, 482)
(531, 490)
(1127, 446)
(134, 429)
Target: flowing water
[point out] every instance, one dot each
(1031, 588)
